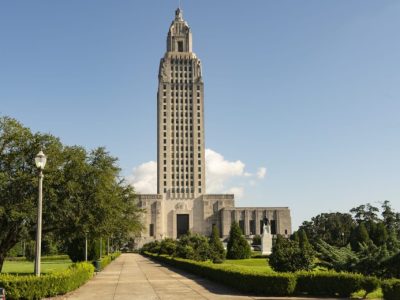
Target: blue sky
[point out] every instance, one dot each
(308, 90)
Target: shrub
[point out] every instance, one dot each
(32, 287)
(193, 246)
(330, 283)
(392, 266)
(217, 251)
(289, 256)
(391, 289)
(238, 247)
(152, 247)
(273, 284)
(167, 246)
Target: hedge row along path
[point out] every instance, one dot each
(132, 276)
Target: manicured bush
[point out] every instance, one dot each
(290, 255)
(152, 247)
(391, 289)
(217, 251)
(32, 287)
(243, 279)
(193, 246)
(330, 283)
(267, 283)
(167, 246)
(238, 247)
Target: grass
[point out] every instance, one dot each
(377, 294)
(251, 263)
(26, 267)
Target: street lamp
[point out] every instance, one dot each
(40, 161)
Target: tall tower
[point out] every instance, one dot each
(180, 114)
(181, 203)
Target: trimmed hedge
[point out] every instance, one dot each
(32, 287)
(391, 289)
(266, 283)
(258, 282)
(330, 283)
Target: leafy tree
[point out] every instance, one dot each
(379, 235)
(217, 251)
(288, 256)
(359, 236)
(82, 193)
(365, 213)
(238, 247)
(332, 257)
(391, 266)
(333, 228)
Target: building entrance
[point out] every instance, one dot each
(182, 224)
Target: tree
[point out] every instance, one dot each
(365, 213)
(339, 259)
(238, 247)
(333, 228)
(359, 236)
(217, 251)
(288, 256)
(82, 193)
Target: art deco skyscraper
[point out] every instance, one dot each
(180, 132)
(181, 203)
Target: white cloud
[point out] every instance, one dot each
(261, 172)
(223, 176)
(219, 171)
(144, 178)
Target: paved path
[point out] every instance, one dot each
(133, 276)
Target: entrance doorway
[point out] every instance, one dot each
(182, 224)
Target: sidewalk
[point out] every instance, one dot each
(133, 276)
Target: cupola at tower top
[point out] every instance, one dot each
(179, 35)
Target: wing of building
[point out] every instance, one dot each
(181, 202)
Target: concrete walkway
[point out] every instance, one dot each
(133, 276)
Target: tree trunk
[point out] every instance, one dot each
(2, 257)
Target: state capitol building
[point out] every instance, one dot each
(181, 202)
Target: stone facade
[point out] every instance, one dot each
(181, 202)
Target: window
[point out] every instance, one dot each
(241, 225)
(252, 225)
(273, 226)
(151, 230)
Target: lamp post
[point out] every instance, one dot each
(40, 161)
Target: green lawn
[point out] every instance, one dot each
(26, 267)
(252, 263)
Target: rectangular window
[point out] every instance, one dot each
(241, 225)
(252, 225)
(273, 226)
(151, 230)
